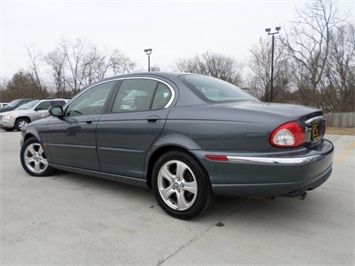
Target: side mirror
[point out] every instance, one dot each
(56, 111)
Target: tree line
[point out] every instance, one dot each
(314, 64)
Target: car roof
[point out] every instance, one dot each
(167, 75)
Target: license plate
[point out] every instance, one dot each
(315, 131)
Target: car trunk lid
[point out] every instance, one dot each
(311, 120)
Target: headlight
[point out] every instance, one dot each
(9, 117)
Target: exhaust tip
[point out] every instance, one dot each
(303, 195)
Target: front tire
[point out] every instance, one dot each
(181, 185)
(21, 123)
(33, 158)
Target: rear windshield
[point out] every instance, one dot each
(214, 90)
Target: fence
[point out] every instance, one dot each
(340, 119)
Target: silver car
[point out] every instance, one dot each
(27, 113)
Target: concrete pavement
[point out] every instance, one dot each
(75, 219)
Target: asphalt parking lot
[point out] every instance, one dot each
(75, 219)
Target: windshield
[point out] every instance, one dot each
(13, 103)
(214, 90)
(28, 106)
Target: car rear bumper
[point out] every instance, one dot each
(269, 174)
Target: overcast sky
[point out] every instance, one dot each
(173, 29)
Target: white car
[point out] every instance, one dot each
(27, 113)
(3, 104)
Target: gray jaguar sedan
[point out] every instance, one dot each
(187, 137)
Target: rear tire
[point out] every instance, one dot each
(181, 185)
(33, 158)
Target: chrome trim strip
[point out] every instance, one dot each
(120, 150)
(159, 80)
(123, 78)
(266, 160)
(312, 120)
(72, 146)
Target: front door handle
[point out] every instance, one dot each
(153, 119)
(90, 121)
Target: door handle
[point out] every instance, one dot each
(153, 119)
(89, 121)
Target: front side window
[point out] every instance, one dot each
(91, 101)
(141, 95)
(214, 90)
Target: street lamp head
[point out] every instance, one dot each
(148, 51)
(268, 29)
(278, 28)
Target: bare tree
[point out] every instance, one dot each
(35, 56)
(155, 68)
(22, 85)
(213, 64)
(74, 54)
(76, 65)
(259, 79)
(309, 44)
(259, 64)
(121, 64)
(339, 75)
(55, 60)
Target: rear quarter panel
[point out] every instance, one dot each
(222, 129)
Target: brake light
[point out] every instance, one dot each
(288, 135)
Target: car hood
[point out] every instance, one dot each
(5, 109)
(18, 112)
(5, 113)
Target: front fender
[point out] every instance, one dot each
(37, 132)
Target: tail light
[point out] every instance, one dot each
(288, 135)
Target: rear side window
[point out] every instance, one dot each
(162, 96)
(141, 95)
(43, 105)
(60, 103)
(214, 90)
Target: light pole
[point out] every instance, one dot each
(148, 52)
(268, 30)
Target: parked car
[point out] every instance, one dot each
(187, 137)
(27, 113)
(3, 104)
(14, 104)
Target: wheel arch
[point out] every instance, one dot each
(155, 156)
(203, 196)
(38, 166)
(165, 143)
(18, 119)
(31, 134)
(25, 117)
